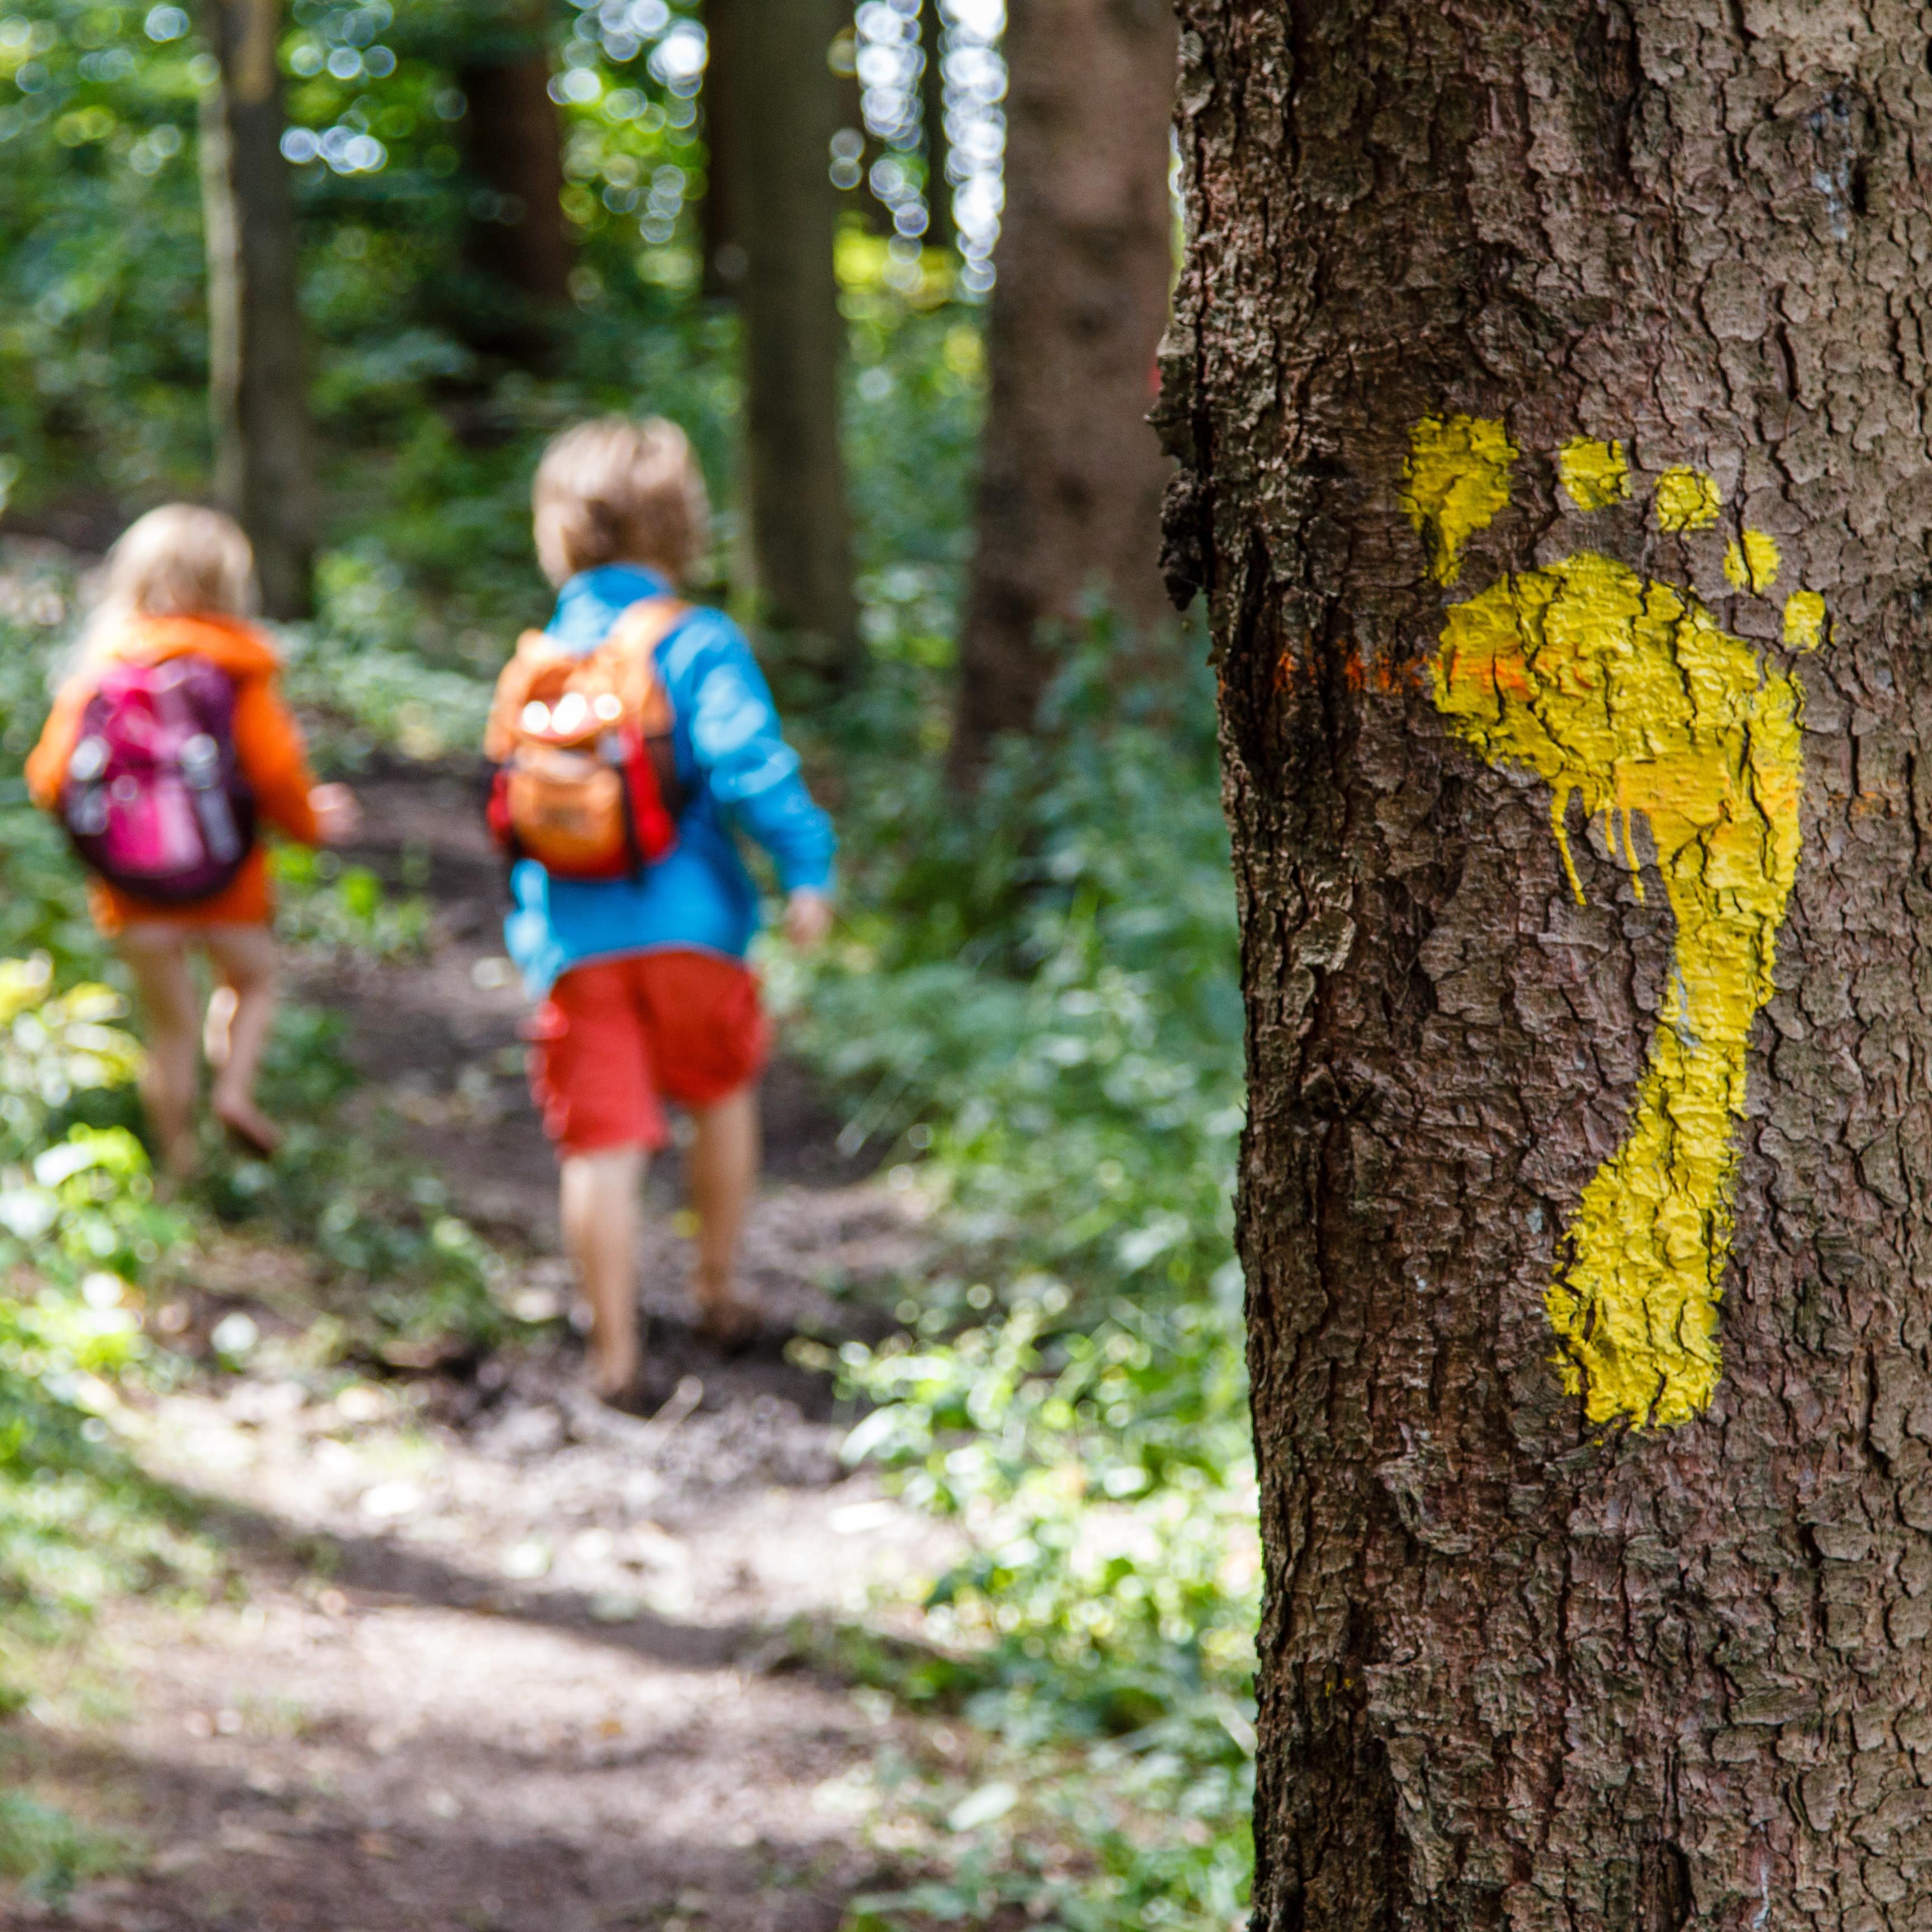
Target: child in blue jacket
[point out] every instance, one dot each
(644, 993)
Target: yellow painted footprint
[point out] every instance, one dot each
(1627, 693)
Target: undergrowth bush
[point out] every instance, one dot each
(81, 1236)
(1042, 985)
(50, 1851)
(80, 1233)
(1037, 1000)
(325, 907)
(78, 1220)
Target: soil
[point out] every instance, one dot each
(497, 1657)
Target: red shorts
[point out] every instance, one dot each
(618, 1037)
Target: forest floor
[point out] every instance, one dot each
(491, 1655)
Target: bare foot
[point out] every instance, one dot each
(612, 1372)
(176, 1167)
(248, 1124)
(723, 1320)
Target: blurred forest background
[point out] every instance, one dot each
(900, 275)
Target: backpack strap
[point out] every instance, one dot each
(634, 638)
(513, 687)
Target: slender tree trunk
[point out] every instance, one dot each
(518, 247)
(1071, 475)
(785, 106)
(1550, 379)
(725, 259)
(258, 389)
(940, 233)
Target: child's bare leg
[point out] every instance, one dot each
(157, 955)
(217, 1027)
(600, 1213)
(239, 1027)
(724, 1169)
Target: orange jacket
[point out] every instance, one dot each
(268, 744)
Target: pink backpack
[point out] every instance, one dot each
(154, 800)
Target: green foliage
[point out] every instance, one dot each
(1111, 1592)
(48, 1852)
(79, 1227)
(324, 906)
(75, 1200)
(1043, 987)
(429, 429)
(79, 1232)
(42, 898)
(913, 401)
(359, 675)
(1039, 998)
(102, 345)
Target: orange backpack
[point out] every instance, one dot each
(585, 777)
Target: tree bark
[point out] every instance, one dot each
(941, 232)
(258, 394)
(1550, 381)
(1071, 476)
(518, 245)
(783, 108)
(723, 267)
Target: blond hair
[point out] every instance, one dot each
(616, 491)
(182, 561)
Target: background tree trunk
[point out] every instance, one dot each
(1533, 1657)
(1071, 476)
(258, 390)
(723, 269)
(784, 110)
(518, 244)
(940, 233)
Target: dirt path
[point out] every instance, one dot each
(498, 1657)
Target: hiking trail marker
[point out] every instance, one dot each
(1625, 694)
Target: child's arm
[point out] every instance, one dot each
(274, 760)
(47, 763)
(739, 746)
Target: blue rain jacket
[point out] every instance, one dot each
(738, 773)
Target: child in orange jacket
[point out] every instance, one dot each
(178, 582)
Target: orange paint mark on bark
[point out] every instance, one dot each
(1386, 674)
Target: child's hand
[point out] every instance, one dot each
(808, 917)
(338, 817)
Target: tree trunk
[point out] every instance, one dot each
(1071, 476)
(518, 246)
(785, 112)
(941, 232)
(723, 272)
(1549, 378)
(258, 392)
